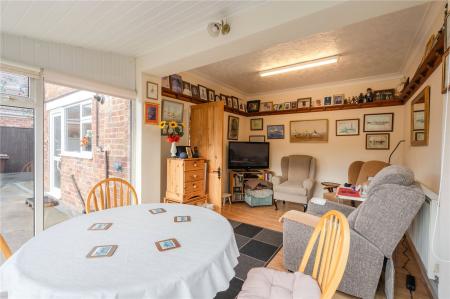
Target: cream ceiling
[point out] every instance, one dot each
(127, 27)
(372, 47)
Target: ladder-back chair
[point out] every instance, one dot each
(4, 248)
(111, 193)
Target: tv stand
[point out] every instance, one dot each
(238, 177)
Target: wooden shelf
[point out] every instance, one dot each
(425, 69)
(383, 103)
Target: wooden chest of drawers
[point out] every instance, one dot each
(186, 180)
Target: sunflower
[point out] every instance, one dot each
(162, 124)
(173, 124)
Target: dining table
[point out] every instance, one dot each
(61, 262)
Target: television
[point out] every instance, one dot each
(248, 155)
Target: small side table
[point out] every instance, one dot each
(330, 186)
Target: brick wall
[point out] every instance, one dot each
(114, 137)
(16, 117)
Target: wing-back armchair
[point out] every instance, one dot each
(296, 183)
(376, 228)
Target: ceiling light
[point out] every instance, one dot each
(299, 66)
(214, 29)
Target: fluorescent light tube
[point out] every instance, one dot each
(299, 66)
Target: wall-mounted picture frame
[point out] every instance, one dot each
(176, 83)
(151, 113)
(419, 136)
(233, 128)
(308, 131)
(276, 107)
(235, 103)
(327, 101)
(195, 92)
(165, 82)
(172, 111)
(211, 95)
(418, 120)
(304, 103)
(257, 138)
(152, 91)
(377, 141)
(187, 89)
(223, 97)
(347, 127)
(380, 122)
(203, 92)
(275, 132)
(266, 106)
(317, 103)
(241, 105)
(287, 106)
(253, 106)
(338, 99)
(294, 105)
(384, 94)
(445, 85)
(230, 102)
(256, 124)
(218, 98)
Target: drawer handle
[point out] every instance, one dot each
(195, 176)
(195, 164)
(194, 186)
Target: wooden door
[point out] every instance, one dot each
(206, 133)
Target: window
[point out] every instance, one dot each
(78, 128)
(14, 85)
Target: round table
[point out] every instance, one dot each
(54, 263)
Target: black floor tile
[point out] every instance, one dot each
(270, 237)
(241, 240)
(245, 264)
(247, 230)
(233, 290)
(259, 250)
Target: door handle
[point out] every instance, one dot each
(218, 172)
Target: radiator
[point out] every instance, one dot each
(421, 233)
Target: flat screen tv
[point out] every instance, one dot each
(248, 155)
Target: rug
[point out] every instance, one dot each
(257, 247)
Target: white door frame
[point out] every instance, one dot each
(55, 192)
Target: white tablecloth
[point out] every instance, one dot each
(54, 263)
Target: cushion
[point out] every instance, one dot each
(299, 167)
(394, 174)
(272, 284)
(290, 187)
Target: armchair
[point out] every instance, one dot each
(296, 183)
(376, 228)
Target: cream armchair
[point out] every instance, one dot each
(296, 183)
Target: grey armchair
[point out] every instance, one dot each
(377, 227)
(296, 183)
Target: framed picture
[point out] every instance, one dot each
(382, 122)
(189, 152)
(276, 107)
(287, 106)
(347, 127)
(195, 91)
(419, 136)
(165, 82)
(176, 83)
(235, 103)
(223, 98)
(338, 99)
(211, 95)
(294, 105)
(253, 106)
(275, 132)
(172, 111)
(304, 103)
(377, 141)
(327, 101)
(314, 130)
(266, 106)
(384, 94)
(256, 124)
(229, 102)
(317, 103)
(241, 105)
(419, 120)
(445, 86)
(203, 92)
(233, 128)
(218, 98)
(257, 138)
(152, 91)
(151, 113)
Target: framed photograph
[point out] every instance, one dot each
(275, 132)
(317, 103)
(314, 130)
(377, 141)
(253, 106)
(419, 120)
(172, 111)
(223, 98)
(168, 244)
(257, 138)
(157, 211)
(266, 106)
(152, 91)
(347, 127)
(100, 226)
(165, 82)
(419, 136)
(445, 86)
(176, 83)
(233, 128)
(304, 103)
(218, 98)
(241, 105)
(229, 102)
(276, 107)
(187, 89)
(203, 92)
(189, 152)
(235, 103)
(211, 95)
(195, 91)
(287, 106)
(294, 105)
(384, 94)
(327, 101)
(257, 124)
(382, 122)
(102, 251)
(338, 99)
(177, 219)
(151, 113)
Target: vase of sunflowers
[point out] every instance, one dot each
(174, 132)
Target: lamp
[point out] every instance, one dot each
(299, 66)
(216, 28)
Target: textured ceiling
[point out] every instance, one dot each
(373, 47)
(128, 27)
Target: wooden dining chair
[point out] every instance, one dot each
(333, 236)
(4, 248)
(111, 193)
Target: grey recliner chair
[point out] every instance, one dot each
(377, 226)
